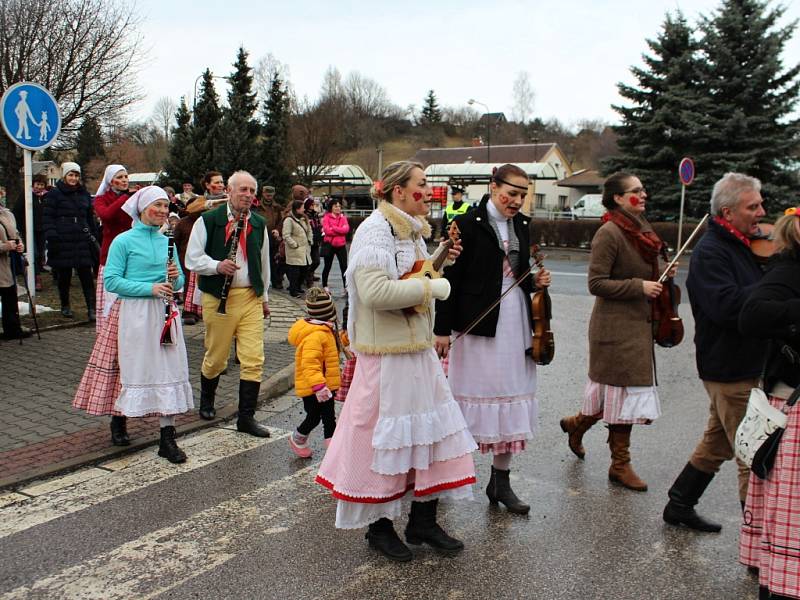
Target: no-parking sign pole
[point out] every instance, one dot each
(686, 173)
(30, 116)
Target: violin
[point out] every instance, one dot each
(762, 244)
(431, 269)
(667, 323)
(543, 344)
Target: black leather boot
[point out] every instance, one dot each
(383, 538)
(422, 527)
(168, 448)
(208, 391)
(119, 431)
(684, 495)
(248, 399)
(499, 490)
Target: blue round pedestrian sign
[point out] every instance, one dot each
(30, 115)
(686, 171)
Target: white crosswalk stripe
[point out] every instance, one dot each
(60, 496)
(157, 562)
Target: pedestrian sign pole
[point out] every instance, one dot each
(686, 173)
(30, 117)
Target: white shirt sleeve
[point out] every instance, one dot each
(196, 258)
(265, 264)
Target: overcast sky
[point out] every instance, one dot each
(575, 50)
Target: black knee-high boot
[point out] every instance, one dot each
(383, 538)
(422, 527)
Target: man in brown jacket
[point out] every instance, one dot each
(269, 208)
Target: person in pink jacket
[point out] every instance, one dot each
(335, 227)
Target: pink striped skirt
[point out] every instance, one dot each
(607, 402)
(770, 533)
(188, 302)
(100, 385)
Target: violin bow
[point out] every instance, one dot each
(683, 249)
(483, 315)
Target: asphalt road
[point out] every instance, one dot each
(243, 518)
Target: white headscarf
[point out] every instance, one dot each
(142, 199)
(111, 172)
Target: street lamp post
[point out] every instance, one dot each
(488, 129)
(196, 81)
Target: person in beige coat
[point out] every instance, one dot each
(623, 269)
(297, 239)
(9, 244)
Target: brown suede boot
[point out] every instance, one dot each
(621, 472)
(576, 426)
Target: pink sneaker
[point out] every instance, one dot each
(301, 450)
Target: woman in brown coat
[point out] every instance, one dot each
(623, 270)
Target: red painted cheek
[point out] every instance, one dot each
(417, 196)
(505, 200)
(635, 201)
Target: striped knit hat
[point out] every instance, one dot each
(319, 305)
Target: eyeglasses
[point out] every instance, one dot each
(637, 191)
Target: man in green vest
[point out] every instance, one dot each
(245, 276)
(455, 208)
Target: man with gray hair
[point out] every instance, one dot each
(244, 276)
(722, 273)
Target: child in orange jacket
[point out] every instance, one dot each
(316, 374)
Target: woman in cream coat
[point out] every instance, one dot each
(400, 432)
(297, 238)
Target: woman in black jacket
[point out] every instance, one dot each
(771, 525)
(71, 235)
(491, 373)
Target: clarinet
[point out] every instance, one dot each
(166, 334)
(226, 285)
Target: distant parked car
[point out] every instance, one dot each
(589, 206)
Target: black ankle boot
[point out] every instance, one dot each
(168, 448)
(499, 490)
(248, 399)
(208, 391)
(422, 527)
(684, 495)
(119, 431)
(383, 538)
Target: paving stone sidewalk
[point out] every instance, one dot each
(39, 427)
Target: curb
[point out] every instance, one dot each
(276, 385)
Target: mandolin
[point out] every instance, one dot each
(432, 269)
(543, 344)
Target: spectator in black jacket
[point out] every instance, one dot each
(71, 235)
(771, 523)
(722, 273)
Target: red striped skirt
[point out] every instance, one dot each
(99, 299)
(347, 378)
(770, 533)
(100, 385)
(188, 305)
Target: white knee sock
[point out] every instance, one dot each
(166, 421)
(502, 461)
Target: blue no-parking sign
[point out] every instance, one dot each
(30, 115)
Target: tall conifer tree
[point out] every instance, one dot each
(275, 168)
(750, 125)
(206, 126)
(181, 164)
(239, 130)
(665, 119)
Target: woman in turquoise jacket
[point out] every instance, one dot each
(138, 365)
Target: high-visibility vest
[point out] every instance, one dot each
(451, 212)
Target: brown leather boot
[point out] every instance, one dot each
(576, 426)
(621, 472)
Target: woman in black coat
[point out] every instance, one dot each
(71, 235)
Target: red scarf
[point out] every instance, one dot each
(231, 227)
(647, 243)
(726, 225)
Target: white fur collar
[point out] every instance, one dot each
(403, 224)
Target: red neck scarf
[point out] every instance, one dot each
(231, 227)
(647, 243)
(732, 230)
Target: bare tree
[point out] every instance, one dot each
(78, 49)
(315, 137)
(164, 115)
(523, 98)
(264, 72)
